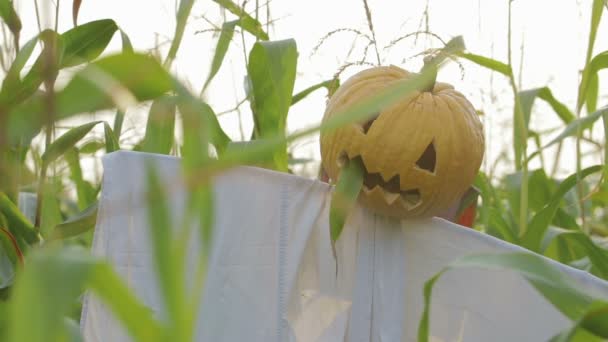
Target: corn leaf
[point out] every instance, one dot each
(67, 141)
(571, 129)
(86, 42)
(596, 64)
(160, 127)
(115, 81)
(247, 22)
(272, 70)
(78, 224)
(344, 197)
(11, 19)
(18, 225)
(488, 63)
(539, 224)
(330, 85)
(221, 48)
(559, 289)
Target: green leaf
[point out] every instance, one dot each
(223, 43)
(137, 318)
(588, 81)
(50, 212)
(44, 307)
(498, 227)
(18, 225)
(161, 126)
(361, 110)
(488, 63)
(590, 328)
(15, 91)
(111, 140)
(559, 289)
(540, 222)
(7, 268)
(78, 224)
(247, 22)
(169, 267)
(127, 47)
(598, 257)
(200, 127)
(329, 84)
(592, 93)
(115, 81)
(272, 70)
(65, 273)
(596, 64)
(65, 142)
(527, 101)
(91, 147)
(570, 130)
(541, 187)
(183, 12)
(10, 17)
(86, 42)
(84, 191)
(348, 187)
(13, 75)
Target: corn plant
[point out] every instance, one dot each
(44, 265)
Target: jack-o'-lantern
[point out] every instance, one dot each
(419, 154)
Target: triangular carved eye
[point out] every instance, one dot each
(428, 158)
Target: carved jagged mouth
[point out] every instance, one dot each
(391, 189)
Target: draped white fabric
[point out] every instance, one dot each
(272, 275)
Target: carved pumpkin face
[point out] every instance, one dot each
(420, 154)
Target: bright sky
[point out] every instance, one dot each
(554, 35)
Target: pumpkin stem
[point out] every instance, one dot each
(430, 66)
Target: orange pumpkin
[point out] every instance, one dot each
(419, 154)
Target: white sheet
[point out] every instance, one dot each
(272, 274)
